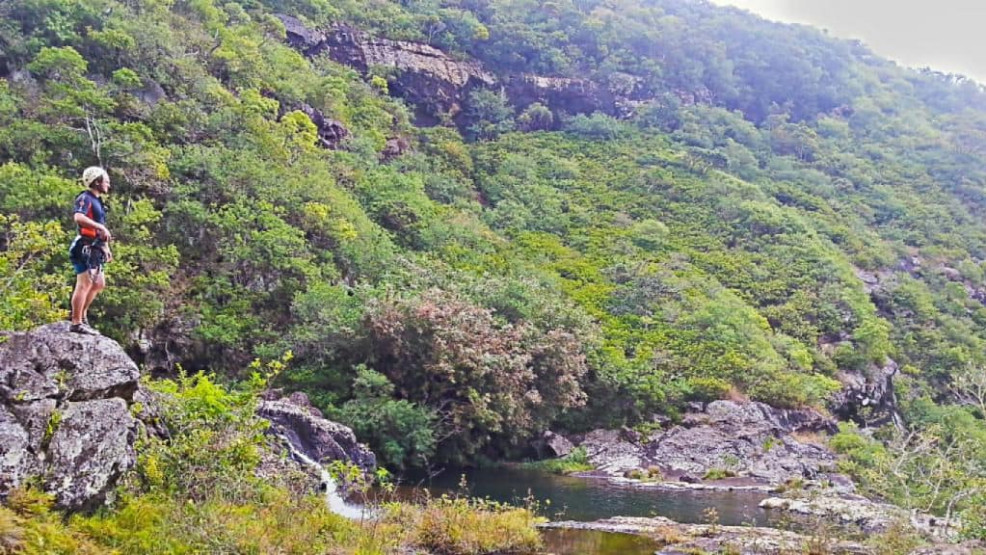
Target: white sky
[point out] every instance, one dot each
(946, 35)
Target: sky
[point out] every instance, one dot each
(946, 35)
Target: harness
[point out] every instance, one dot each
(93, 253)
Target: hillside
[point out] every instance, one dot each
(602, 212)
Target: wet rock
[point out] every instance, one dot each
(65, 413)
(321, 440)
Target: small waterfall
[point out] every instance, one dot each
(336, 503)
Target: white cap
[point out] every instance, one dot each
(91, 174)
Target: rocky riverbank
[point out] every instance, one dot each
(722, 444)
(733, 446)
(677, 538)
(869, 516)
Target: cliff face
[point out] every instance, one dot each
(438, 84)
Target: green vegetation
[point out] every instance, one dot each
(718, 474)
(200, 491)
(576, 461)
(537, 267)
(651, 474)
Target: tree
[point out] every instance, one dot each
(969, 386)
(536, 117)
(490, 114)
(30, 294)
(487, 382)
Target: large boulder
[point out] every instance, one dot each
(323, 441)
(64, 413)
(557, 444)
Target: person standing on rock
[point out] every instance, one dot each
(90, 249)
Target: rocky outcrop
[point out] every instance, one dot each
(424, 76)
(867, 398)
(675, 537)
(65, 416)
(439, 84)
(394, 148)
(551, 445)
(331, 133)
(562, 94)
(298, 422)
(972, 547)
(306, 40)
(725, 438)
(869, 516)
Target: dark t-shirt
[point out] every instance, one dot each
(90, 205)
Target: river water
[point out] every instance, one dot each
(588, 499)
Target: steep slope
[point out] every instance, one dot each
(774, 214)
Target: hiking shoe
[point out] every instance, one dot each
(83, 329)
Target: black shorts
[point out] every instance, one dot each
(86, 254)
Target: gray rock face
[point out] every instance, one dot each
(299, 36)
(331, 133)
(321, 440)
(749, 440)
(426, 76)
(867, 398)
(556, 444)
(64, 413)
(91, 447)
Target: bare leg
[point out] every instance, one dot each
(97, 285)
(79, 297)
